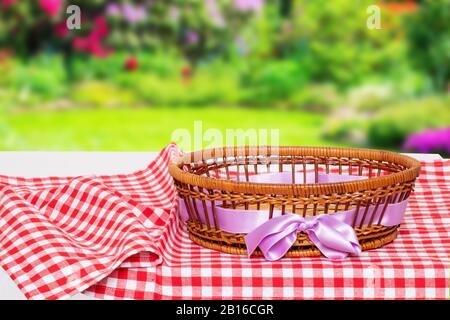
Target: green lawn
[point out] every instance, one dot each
(145, 129)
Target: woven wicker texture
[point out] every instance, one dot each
(220, 177)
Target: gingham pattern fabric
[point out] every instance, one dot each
(58, 236)
(415, 266)
(117, 237)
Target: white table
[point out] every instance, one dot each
(35, 164)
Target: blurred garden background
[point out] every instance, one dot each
(137, 70)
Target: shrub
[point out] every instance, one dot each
(7, 99)
(39, 80)
(391, 126)
(44, 77)
(273, 81)
(370, 98)
(406, 82)
(102, 94)
(159, 63)
(201, 89)
(320, 98)
(336, 44)
(346, 127)
(428, 33)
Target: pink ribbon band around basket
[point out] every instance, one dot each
(332, 233)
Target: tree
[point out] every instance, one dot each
(428, 32)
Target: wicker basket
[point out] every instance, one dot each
(220, 177)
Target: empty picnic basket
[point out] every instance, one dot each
(221, 178)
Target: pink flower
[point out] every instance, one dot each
(98, 50)
(80, 44)
(61, 30)
(92, 46)
(92, 43)
(51, 7)
(113, 10)
(101, 28)
(134, 13)
(248, 5)
(7, 3)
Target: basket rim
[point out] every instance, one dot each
(411, 172)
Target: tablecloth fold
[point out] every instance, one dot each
(58, 239)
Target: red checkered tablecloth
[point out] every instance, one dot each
(117, 237)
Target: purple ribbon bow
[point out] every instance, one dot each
(334, 238)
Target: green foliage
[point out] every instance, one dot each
(334, 41)
(320, 98)
(44, 75)
(388, 127)
(201, 89)
(408, 82)
(370, 98)
(158, 63)
(429, 37)
(272, 81)
(102, 94)
(263, 57)
(41, 79)
(7, 99)
(350, 130)
(391, 126)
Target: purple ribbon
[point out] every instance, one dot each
(331, 233)
(334, 238)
